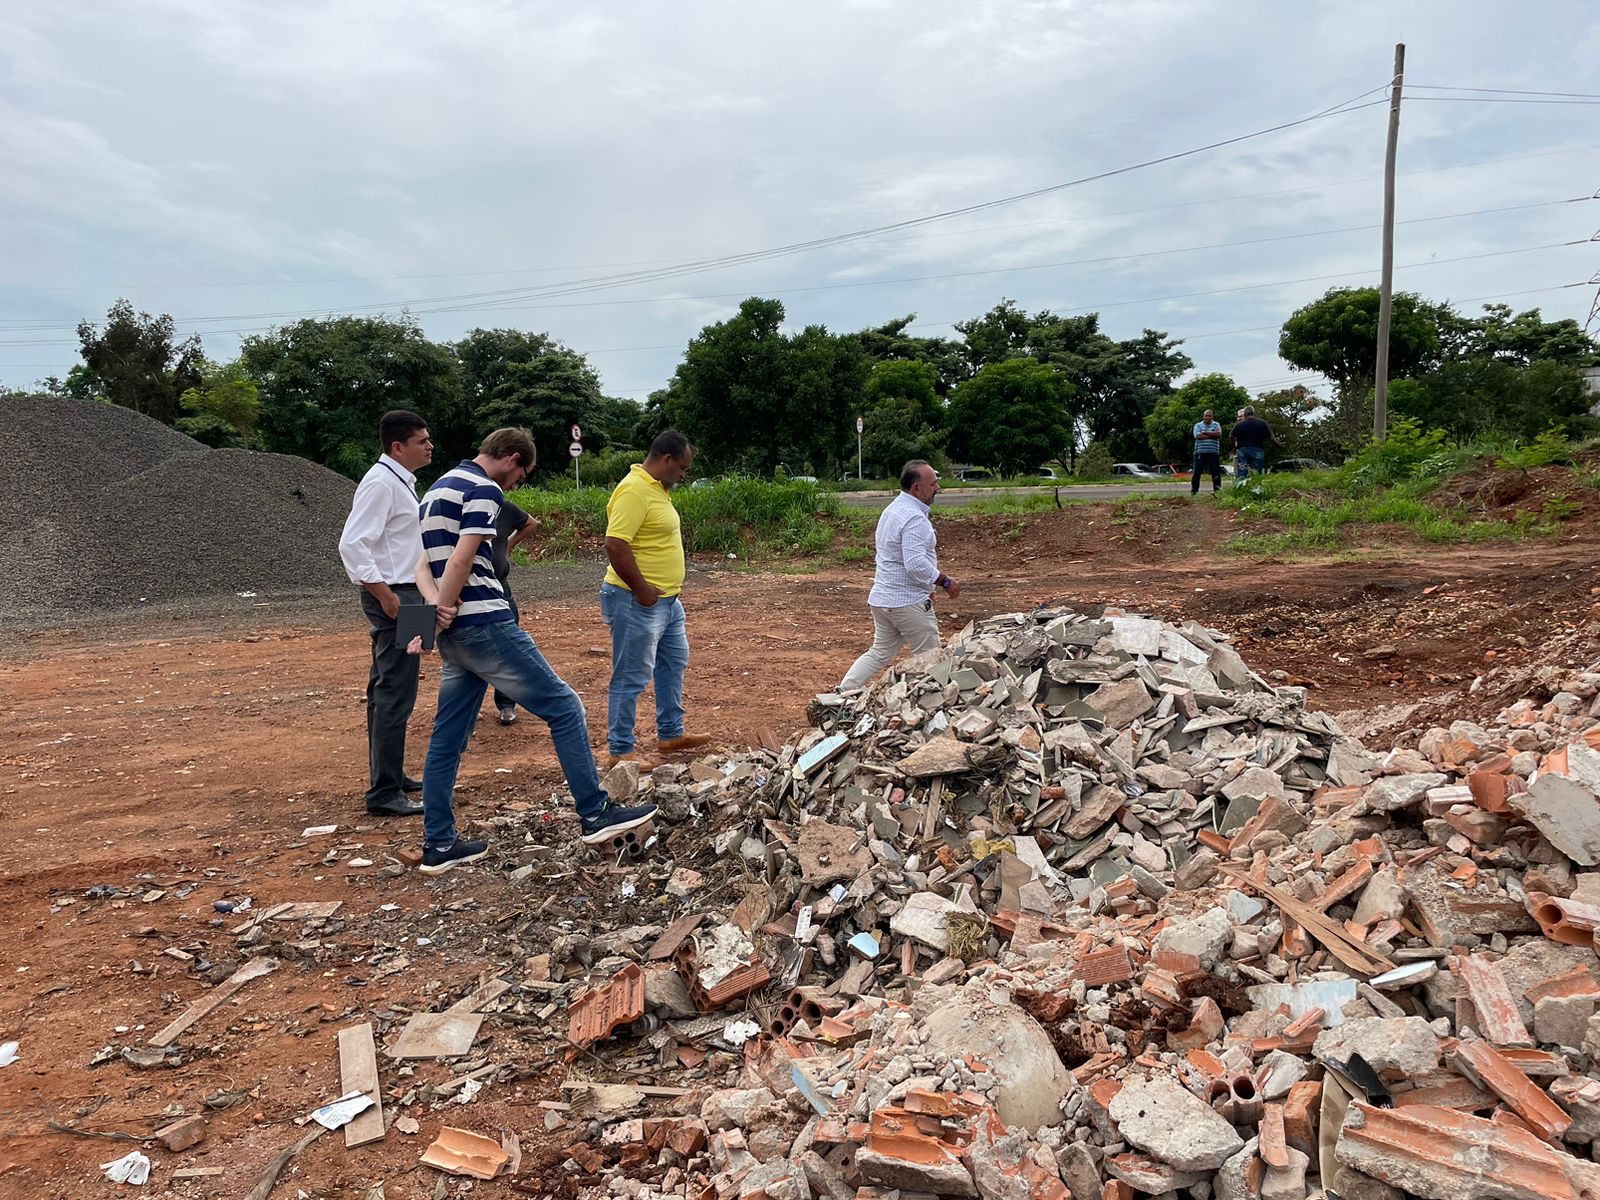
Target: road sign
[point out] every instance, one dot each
(860, 424)
(577, 433)
(575, 449)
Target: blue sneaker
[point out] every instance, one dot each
(437, 862)
(615, 819)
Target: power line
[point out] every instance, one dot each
(1496, 100)
(606, 282)
(1084, 308)
(510, 303)
(1095, 216)
(1437, 87)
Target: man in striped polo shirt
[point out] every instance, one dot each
(481, 644)
(1207, 453)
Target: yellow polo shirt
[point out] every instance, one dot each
(641, 513)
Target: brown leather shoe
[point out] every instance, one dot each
(677, 745)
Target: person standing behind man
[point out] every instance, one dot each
(1207, 453)
(511, 528)
(480, 645)
(1250, 438)
(907, 572)
(642, 599)
(380, 545)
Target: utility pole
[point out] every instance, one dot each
(1380, 376)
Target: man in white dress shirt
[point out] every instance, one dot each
(907, 574)
(381, 546)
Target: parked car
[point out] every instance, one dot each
(972, 474)
(1172, 470)
(1133, 471)
(703, 481)
(802, 479)
(1299, 464)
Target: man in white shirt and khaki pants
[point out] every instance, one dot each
(381, 546)
(907, 573)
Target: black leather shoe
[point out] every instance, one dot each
(409, 784)
(395, 808)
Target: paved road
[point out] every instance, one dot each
(954, 497)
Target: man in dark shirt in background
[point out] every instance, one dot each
(511, 527)
(1250, 438)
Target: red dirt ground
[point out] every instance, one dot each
(194, 756)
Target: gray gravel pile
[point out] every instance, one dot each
(109, 510)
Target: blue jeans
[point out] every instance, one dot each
(502, 654)
(1250, 460)
(646, 644)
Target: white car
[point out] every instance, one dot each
(1133, 471)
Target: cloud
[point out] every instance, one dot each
(230, 161)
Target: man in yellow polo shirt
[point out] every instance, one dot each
(641, 599)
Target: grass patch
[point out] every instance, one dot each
(751, 518)
(1319, 508)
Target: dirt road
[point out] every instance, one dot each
(178, 767)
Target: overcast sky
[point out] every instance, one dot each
(238, 164)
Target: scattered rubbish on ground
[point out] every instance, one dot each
(133, 1167)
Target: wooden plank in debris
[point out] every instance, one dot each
(485, 993)
(1354, 954)
(358, 1072)
(257, 918)
(930, 818)
(253, 969)
(672, 937)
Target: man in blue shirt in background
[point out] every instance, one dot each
(1207, 453)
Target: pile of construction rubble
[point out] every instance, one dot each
(1079, 905)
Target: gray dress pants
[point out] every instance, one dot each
(391, 695)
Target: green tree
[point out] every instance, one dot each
(1477, 397)
(824, 374)
(224, 408)
(615, 424)
(133, 362)
(1011, 415)
(751, 397)
(1337, 336)
(1303, 422)
(1113, 384)
(916, 382)
(1519, 340)
(512, 378)
(890, 342)
(893, 432)
(727, 393)
(1170, 424)
(1001, 333)
(324, 383)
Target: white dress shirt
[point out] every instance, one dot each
(382, 538)
(908, 555)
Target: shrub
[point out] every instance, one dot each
(1095, 462)
(1549, 447)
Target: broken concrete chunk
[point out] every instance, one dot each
(1567, 813)
(1206, 937)
(1395, 792)
(1121, 703)
(1172, 1124)
(1029, 1076)
(923, 919)
(1396, 1047)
